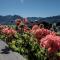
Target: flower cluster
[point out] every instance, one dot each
(35, 27)
(22, 25)
(25, 20)
(2, 27)
(9, 31)
(41, 32)
(18, 21)
(51, 43)
(26, 29)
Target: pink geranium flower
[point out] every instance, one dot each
(41, 32)
(51, 43)
(35, 27)
(8, 31)
(18, 21)
(25, 20)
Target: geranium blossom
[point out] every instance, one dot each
(8, 31)
(25, 20)
(18, 21)
(35, 27)
(51, 43)
(40, 33)
(26, 29)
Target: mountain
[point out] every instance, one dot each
(9, 19)
(33, 18)
(53, 19)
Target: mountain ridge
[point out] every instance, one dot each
(10, 19)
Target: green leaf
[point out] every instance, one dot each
(58, 54)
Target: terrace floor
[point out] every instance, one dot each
(7, 54)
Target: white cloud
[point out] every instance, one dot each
(22, 1)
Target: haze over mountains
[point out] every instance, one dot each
(9, 19)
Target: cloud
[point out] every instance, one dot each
(22, 1)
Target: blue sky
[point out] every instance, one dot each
(30, 8)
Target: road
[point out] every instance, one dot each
(7, 54)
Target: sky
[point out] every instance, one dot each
(30, 8)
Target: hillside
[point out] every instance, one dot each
(9, 19)
(53, 19)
